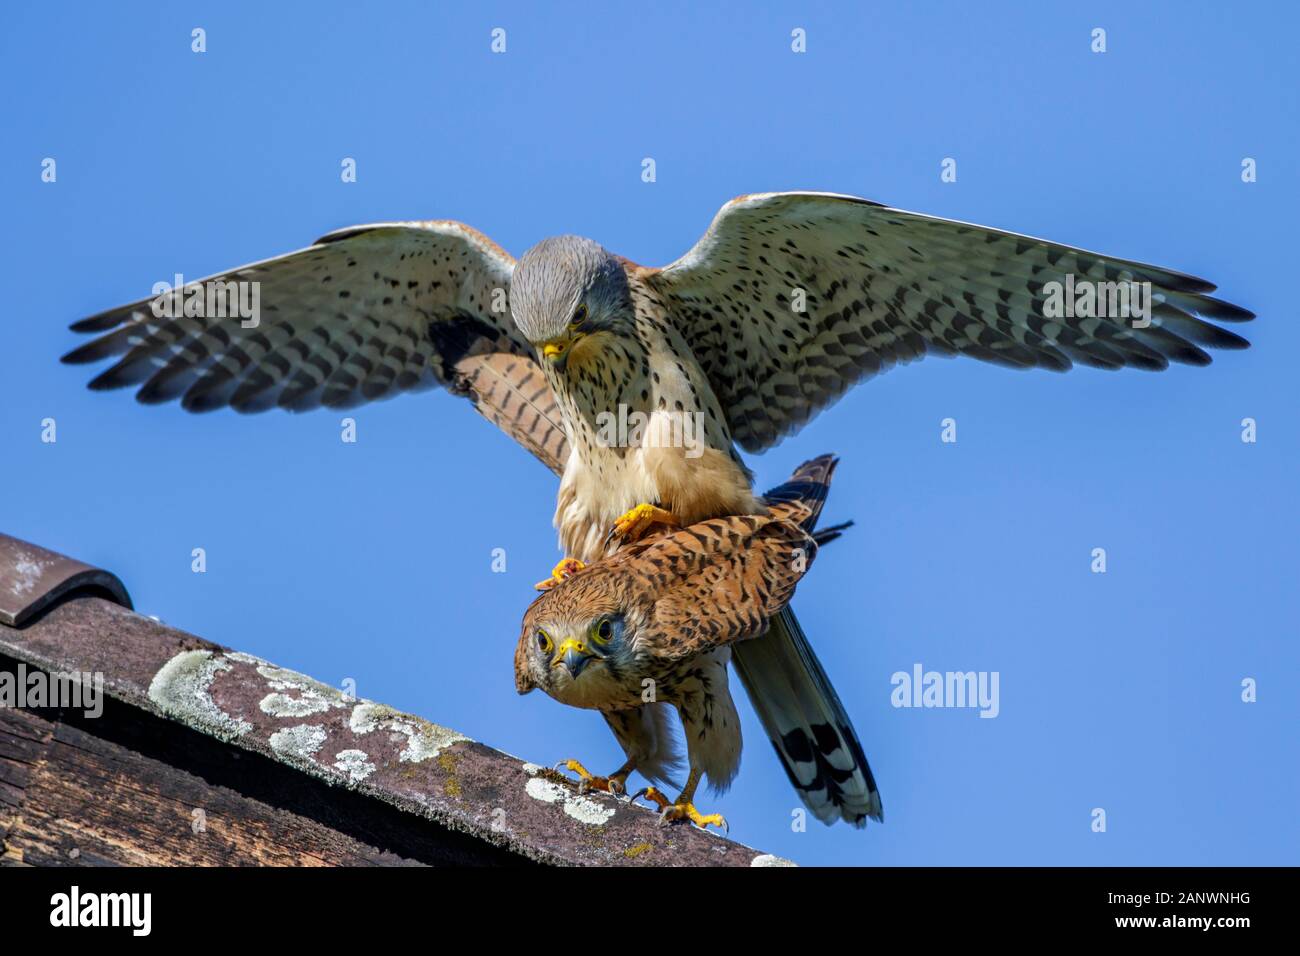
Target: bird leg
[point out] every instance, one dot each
(615, 783)
(634, 524)
(565, 569)
(683, 808)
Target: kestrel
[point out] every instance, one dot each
(658, 620)
(786, 301)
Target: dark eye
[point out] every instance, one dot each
(544, 641)
(579, 316)
(603, 632)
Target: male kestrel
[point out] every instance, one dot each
(786, 301)
(657, 621)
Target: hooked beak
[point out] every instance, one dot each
(574, 656)
(557, 351)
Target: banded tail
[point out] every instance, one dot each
(793, 697)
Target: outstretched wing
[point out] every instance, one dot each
(361, 315)
(882, 286)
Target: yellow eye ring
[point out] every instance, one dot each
(579, 316)
(602, 632)
(544, 641)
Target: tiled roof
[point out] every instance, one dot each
(356, 780)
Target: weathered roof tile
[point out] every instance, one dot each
(418, 767)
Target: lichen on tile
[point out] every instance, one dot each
(580, 808)
(301, 741)
(424, 740)
(354, 764)
(311, 696)
(182, 689)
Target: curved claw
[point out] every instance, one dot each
(614, 785)
(671, 812)
(567, 568)
(703, 820)
(571, 764)
(654, 796)
(633, 525)
(687, 811)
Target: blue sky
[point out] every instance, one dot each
(372, 561)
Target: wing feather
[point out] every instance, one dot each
(363, 314)
(718, 581)
(885, 287)
(352, 318)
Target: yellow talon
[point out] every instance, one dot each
(702, 820)
(683, 809)
(615, 783)
(566, 568)
(634, 524)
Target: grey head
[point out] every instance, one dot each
(565, 288)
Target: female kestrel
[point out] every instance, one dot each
(785, 302)
(658, 620)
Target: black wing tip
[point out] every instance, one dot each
(1193, 284)
(100, 322)
(1228, 341)
(1192, 356)
(107, 381)
(92, 351)
(197, 406)
(149, 396)
(1147, 363)
(1227, 312)
(1205, 307)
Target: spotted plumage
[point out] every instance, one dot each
(656, 623)
(884, 286)
(785, 302)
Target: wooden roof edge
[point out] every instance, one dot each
(75, 620)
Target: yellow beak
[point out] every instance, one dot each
(559, 351)
(572, 655)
